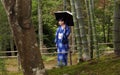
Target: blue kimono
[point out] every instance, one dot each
(61, 40)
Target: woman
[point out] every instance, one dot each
(61, 41)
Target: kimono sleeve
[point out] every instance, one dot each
(66, 34)
(67, 31)
(56, 35)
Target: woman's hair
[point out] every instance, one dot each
(62, 19)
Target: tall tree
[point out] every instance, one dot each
(40, 24)
(104, 21)
(19, 16)
(90, 31)
(83, 33)
(64, 5)
(117, 27)
(91, 7)
(77, 29)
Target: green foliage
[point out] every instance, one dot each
(49, 23)
(104, 19)
(4, 29)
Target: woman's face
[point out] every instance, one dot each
(61, 22)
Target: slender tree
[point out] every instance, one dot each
(117, 27)
(40, 24)
(64, 5)
(90, 28)
(104, 21)
(77, 29)
(78, 7)
(12, 45)
(19, 16)
(109, 29)
(95, 44)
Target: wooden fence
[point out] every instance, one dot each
(52, 53)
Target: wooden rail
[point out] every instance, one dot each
(3, 52)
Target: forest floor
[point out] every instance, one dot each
(50, 61)
(108, 64)
(12, 66)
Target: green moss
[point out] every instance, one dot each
(106, 65)
(109, 65)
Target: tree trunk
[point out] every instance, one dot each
(95, 44)
(77, 29)
(90, 29)
(19, 16)
(117, 27)
(64, 5)
(104, 22)
(12, 45)
(78, 7)
(109, 30)
(40, 24)
(73, 40)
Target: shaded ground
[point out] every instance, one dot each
(53, 62)
(49, 62)
(106, 65)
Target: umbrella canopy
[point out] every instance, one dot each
(66, 15)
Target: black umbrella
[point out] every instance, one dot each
(66, 15)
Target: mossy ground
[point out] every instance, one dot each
(106, 65)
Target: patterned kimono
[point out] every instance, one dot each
(61, 41)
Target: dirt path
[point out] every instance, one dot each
(53, 63)
(12, 64)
